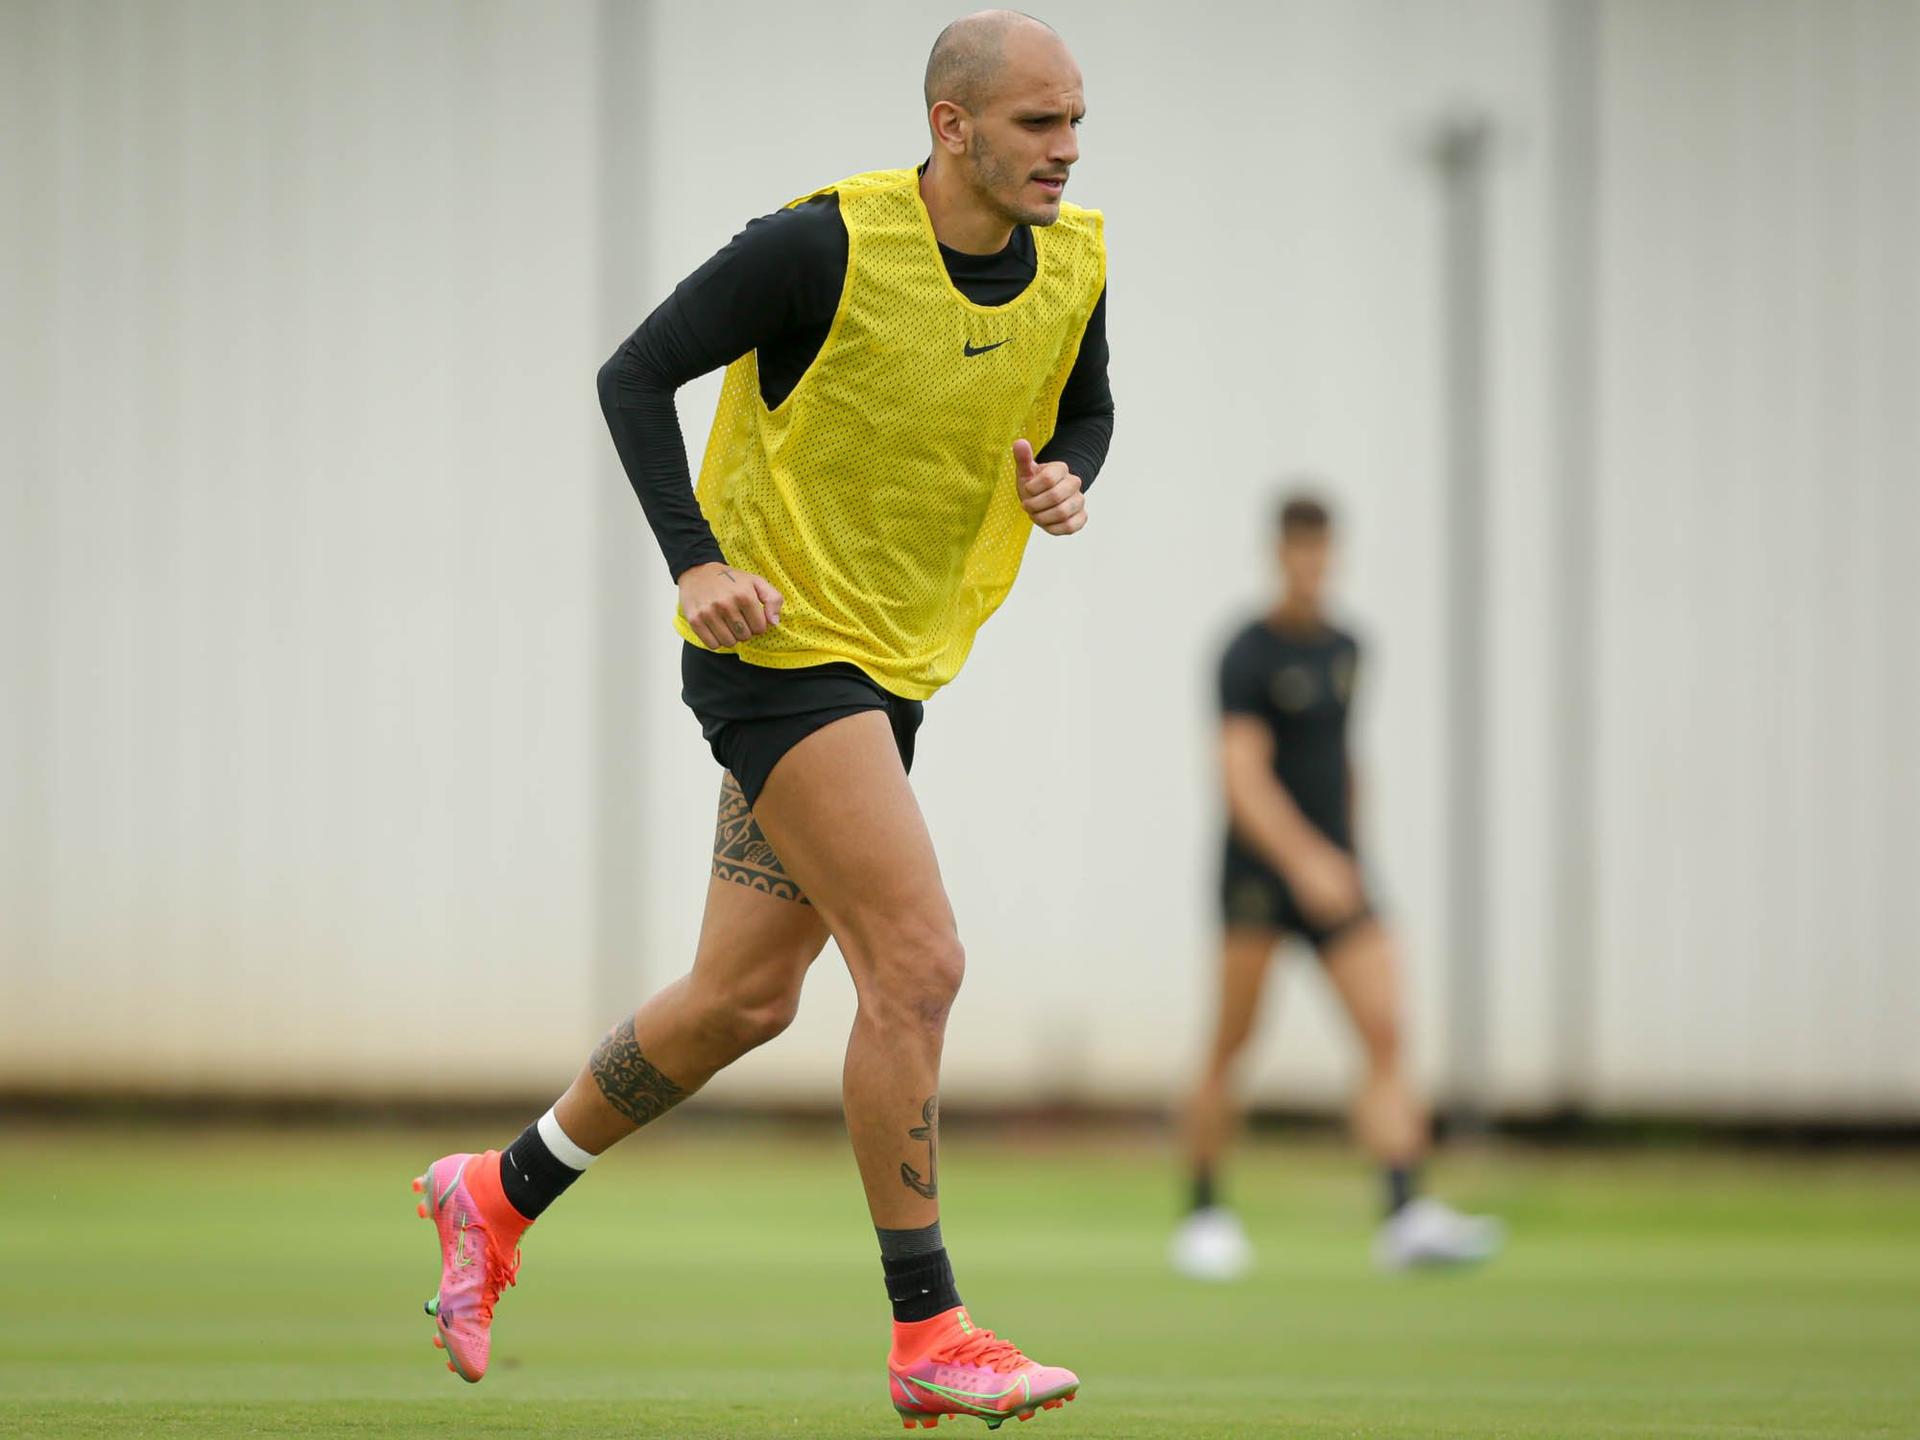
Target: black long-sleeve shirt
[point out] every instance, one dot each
(774, 289)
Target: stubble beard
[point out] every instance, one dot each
(995, 182)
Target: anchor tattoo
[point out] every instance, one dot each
(910, 1177)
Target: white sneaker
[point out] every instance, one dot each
(1210, 1245)
(1426, 1232)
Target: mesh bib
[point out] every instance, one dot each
(879, 497)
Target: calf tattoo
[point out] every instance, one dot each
(927, 1130)
(628, 1079)
(742, 855)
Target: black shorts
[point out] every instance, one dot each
(1253, 897)
(752, 715)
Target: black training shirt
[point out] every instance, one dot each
(1299, 684)
(774, 289)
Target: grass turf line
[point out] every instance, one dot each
(702, 1285)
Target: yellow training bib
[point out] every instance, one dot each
(879, 497)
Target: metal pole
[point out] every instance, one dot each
(1459, 154)
(618, 741)
(1575, 651)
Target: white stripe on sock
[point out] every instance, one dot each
(564, 1150)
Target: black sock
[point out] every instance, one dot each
(919, 1275)
(1403, 1182)
(1204, 1197)
(532, 1176)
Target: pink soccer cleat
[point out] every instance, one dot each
(969, 1371)
(479, 1254)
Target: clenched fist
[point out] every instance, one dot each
(1326, 883)
(725, 606)
(1049, 493)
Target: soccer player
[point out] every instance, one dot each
(1291, 868)
(916, 380)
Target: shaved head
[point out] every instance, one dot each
(970, 53)
(1004, 106)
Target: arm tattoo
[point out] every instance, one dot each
(741, 852)
(927, 1131)
(629, 1081)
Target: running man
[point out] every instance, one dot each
(1291, 868)
(916, 379)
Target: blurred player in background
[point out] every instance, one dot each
(916, 381)
(1291, 868)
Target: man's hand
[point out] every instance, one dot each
(1326, 884)
(1049, 493)
(725, 606)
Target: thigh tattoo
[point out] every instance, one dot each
(742, 854)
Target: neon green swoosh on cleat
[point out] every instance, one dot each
(437, 1204)
(959, 1397)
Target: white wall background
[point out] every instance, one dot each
(1759, 502)
(300, 465)
(304, 525)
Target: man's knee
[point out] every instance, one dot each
(748, 1012)
(1380, 1039)
(736, 1025)
(910, 974)
(761, 1018)
(1229, 1039)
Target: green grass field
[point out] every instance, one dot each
(719, 1283)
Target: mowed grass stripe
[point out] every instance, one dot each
(704, 1282)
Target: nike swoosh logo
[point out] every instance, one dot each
(967, 348)
(442, 1200)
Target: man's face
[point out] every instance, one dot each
(1306, 557)
(1024, 137)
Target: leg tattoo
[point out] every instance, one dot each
(629, 1081)
(741, 852)
(927, 1131)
